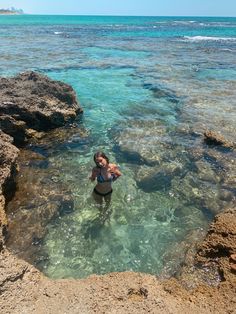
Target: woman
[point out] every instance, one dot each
(105, 173)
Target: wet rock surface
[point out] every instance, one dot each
(211, 264)
(221, 238)
(31, 102)
(8, 170)
(215, 138)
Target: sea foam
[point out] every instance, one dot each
(206, 38)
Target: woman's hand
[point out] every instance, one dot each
(114, 169)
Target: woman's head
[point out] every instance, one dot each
(100, 159)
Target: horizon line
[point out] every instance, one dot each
(124, 15)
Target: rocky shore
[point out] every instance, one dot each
(30, 105)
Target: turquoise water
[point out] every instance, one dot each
(149, 86)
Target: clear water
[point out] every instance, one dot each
(148, 86)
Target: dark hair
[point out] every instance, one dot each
(100, 154)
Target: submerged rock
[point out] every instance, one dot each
(32, 102)
(151, 179)
(40, 199)
(162, 92)
(143, 142)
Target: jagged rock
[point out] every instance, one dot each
(32, 102)
(8, 170)
(220, 244)
(221, 237)
(215, 138)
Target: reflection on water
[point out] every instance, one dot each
(148, 94)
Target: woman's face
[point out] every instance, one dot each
(101, 162)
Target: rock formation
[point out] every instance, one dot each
(217, 139)
(32, 103)
(8, 168)
(29, 103)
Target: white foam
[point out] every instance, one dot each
(58, 33)
(184, 22)
(206, 38)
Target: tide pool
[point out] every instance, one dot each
(149, 88)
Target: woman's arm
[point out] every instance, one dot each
(93, 174)
(115, 170)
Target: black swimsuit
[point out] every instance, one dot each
(101, 194)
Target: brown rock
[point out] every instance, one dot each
(215, 138)
(33, 101)
(8, 170)
(220, 243)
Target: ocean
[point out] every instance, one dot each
(149, 87)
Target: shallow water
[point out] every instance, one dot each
(148, 87)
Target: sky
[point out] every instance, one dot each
(126, 7)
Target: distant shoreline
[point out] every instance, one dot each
(11, 12)
(14, 13)
(105, 15)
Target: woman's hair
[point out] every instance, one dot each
(100, 154)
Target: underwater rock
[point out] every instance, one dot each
(41, 198)
(206, 173)
(33, 102)
(181, 255)
(143, 142)
(224, 165)
(28, 225)
(226, 195)
(56, 140)
(157, 181)
(193, 190)
(151, 179)
(162, 92)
